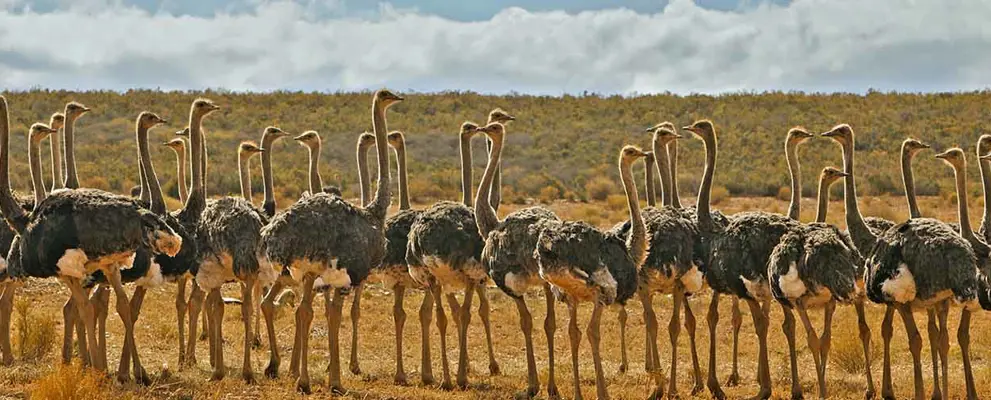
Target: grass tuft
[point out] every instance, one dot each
(35, 333)
(70, 382)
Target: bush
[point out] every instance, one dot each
(719, 193)
(784, 193)
(600, 188)
(35, 333)
(549, 194)
(70, 382)
(616, 202)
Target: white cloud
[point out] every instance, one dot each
(812, 45)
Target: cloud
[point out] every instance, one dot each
(810, 45)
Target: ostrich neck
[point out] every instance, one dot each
(495, 196)
(403, 178)
(197, 195)
(150, 177)
(12, 212)
(466, 170)
(985, 167)
(663, 165)
(485, 215)
(316, 183)
(58, 177)
(854, 220)
(364, 180)
(822, 203)
(962, 212)
(795, 173)
(34, 164)
(68, 152)
(908, 180)
(650, 170)
(268, 187)
(244, 173)
(636, 243)
(703, 213)
(145, 194)
(673, 161)
(383, 194)
(181, 173)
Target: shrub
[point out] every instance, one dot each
(70, 382)
(35, 333)
(784, 193)
(549, 193)
(719, 193)
(616, 202)
(600, 188)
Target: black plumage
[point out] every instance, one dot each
(584, 252)
(509, 249)
(446, 232)
(822, 258)
(397, 228)
(740, 252)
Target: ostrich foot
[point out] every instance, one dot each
(400, 379)
(272, 370)
(303, 386)
(733, 381)
(494, 369)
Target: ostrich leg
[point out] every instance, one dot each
(690, 325)
(813, 342)
(674, 329)
(101, 303)
(426, 308)
(759, 314)
(622, 317)
(594, 339)
(87, 315)
(268, 310)
(944, 346)
(788, 328)
(650, 323)
(195, 306)
(69, 317)
(7, 291)
(963, 338)
(258, 294)
(137, 299)
(215, 306)
(334, 378)
(713, 320)
(442, 329)
(180, 312)
(355, 317)
(826, 340)
(932, 329)
(124, 311)
(915, 346)
(304, 316)
(736, 319)
(399, 317)
(865, 338)
(484, 311)
(575, 335)
(526, 326)
(550, 327)
(465, 317)
(247, 307)
(887, 331)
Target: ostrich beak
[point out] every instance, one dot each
(925, 145)
(828, 134)
(943, 155)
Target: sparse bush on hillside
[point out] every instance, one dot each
(549, 194)
(35, 333)
(719, 193)
(599, 188)
(784, 193)
(616, 202)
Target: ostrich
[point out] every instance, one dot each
(365, 141)
(351, 241)
(178, 145)
(984, 148)
(902, 272)
(73, 111)
(739, 256)
(229, 238)
(586, 264)
(815, 265)
(48, 244)
(57, 122)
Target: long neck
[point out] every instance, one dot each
(985, 167)
(58, 177)
(466, 170)
(822, 206)
(485, 215)
(68, 152)
(145, 194)
(244, 173)
(364, 180)
(12, 212)
(909, 180)
(181, 173)
(702, 202)
(795, 172)
(34, 163)
(961, 179)
(854, 220)
(650, 170)
(268, 185)
(151, 178)
(673, 155)
(383, 194)
(316, 183)
(636, 243)
(197, 190)
(495, 196)
(663, 168)
(403, 178)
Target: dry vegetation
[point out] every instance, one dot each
(41, 378)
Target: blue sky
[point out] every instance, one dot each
(542, 47)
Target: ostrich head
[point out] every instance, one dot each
(830, 175)
(984, 144)
(842, 134)
(629, 154)
(366, 140)
(249, 149)
(665, 124)
(184, 132)
(911, 146)
(39, 132)
(500, 116)
(203, 107)
(396, 139)
(176, 144)
(310, 139)
(75, 110)
(665, 135)
(703, 129)
(57, 121)
(494, 131)
(468, 128)
(954, 157)
(136, 191)
(148, 120)
(798, 135)
(274, 133)
(385, 98)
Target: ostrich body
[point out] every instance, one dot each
(49, 243)
(351, 241)
(587, 265)
(816, 265)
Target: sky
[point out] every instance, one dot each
(547, 47)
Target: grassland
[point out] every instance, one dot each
(38, 375)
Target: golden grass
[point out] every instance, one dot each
(156, 341)
(35, 337)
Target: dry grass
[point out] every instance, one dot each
(156, 341)
(35, 337)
